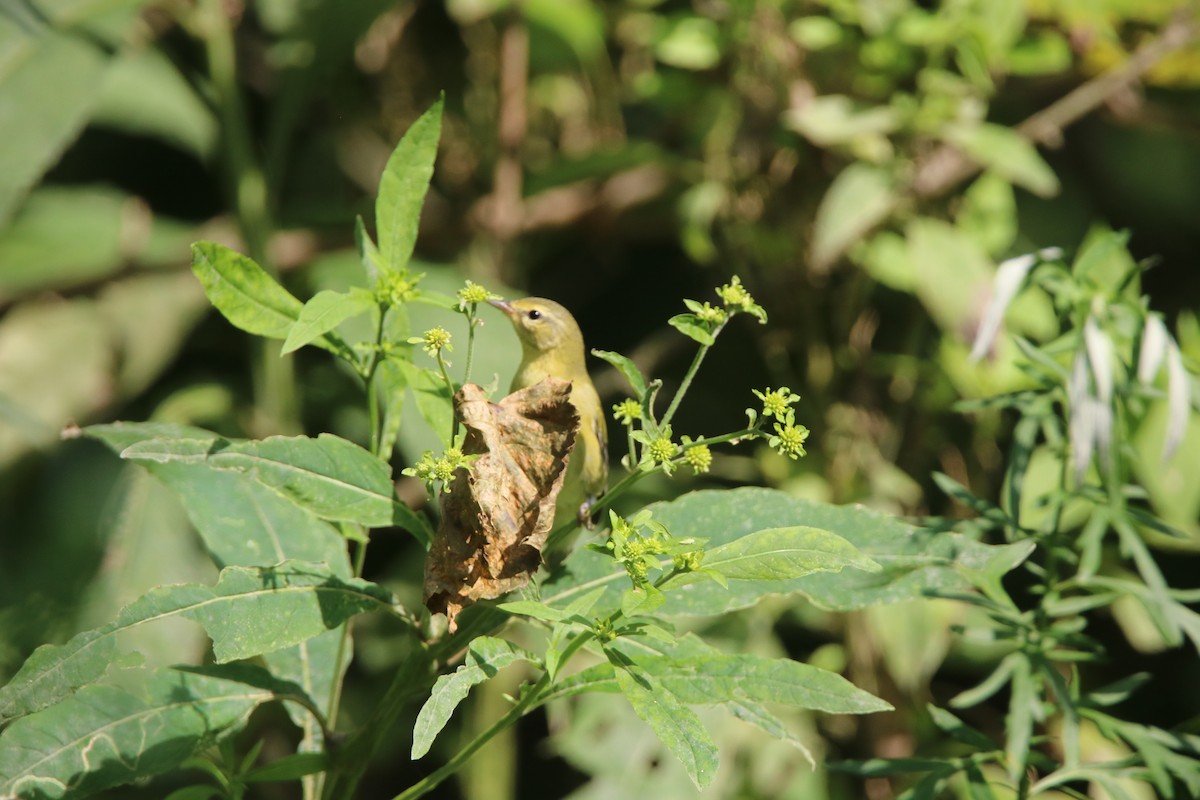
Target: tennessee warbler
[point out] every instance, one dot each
(552, 346)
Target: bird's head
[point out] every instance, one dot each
(542, 325)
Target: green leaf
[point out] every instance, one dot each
(674, 723)
(324, 312)
(758, 716)
(534, 609)
(107, 735)
(289, 768)
(722, 678)
(626, 368)
(251, 611)
(49, 82)
(1022, 708)
(330, 477)
(70, 236)
(486, 656)
(957, 729)
(432, 398)
(243, 522)
(368, 253)
(861, 197)
(243, 291)
(781, 554)
(693, 327)
(641, 600)
(402, 189)
(1006, 152)
(579, 23)
(145, 94)
(391, 385)
(914, 561)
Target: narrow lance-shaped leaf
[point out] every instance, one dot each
(402, 189)
(486, 656)
(331, 477)
(107, 735)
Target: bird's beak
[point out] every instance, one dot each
(503, 306)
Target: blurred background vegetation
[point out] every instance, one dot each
(862, 166)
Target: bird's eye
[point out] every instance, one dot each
(535, 314)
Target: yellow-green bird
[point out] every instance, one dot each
(552, 346)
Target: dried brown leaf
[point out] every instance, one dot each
(495, 519)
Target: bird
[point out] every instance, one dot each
(552, 346)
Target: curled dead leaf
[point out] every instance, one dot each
(496, 518)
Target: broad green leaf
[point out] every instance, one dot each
(48, 87)
(324, 312)
(245, 523)
(66, 237)
(627, 368)
(108, 735)
(243, 291)
(691, 326)
(55, 365)
(402, 189)
(914, 561)
(329, 476)
(861, 197)
(1006, 152)
(145, 94)
(674, 723)
(486, 656)
(251, 611)
(780, 554)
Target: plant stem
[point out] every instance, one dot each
(687, 380)
(471, 323)
(450, 387)
(274, 377)
(426, 784)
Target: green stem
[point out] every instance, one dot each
(450, 386)
(274, 377)
(687, 379)
(377, 444)
(426, 784)
(471, 322)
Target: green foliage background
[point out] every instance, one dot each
(616, 157)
